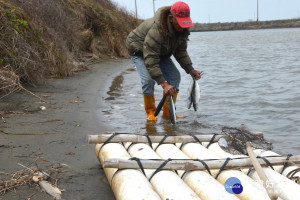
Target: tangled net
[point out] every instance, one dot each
(238, 137)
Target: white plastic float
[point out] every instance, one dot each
(131, 184)
(284, 188)
(200, 181)
(251, 189)
(127, 184)
(167, 183)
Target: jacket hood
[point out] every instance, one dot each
(161, 18)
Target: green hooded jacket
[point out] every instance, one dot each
(156, 39)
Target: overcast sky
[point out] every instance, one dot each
(204, 11)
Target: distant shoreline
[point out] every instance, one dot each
(289, 23)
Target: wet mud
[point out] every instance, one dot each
(56, 138)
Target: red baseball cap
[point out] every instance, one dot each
(182, 13)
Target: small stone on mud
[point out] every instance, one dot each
(43, 108)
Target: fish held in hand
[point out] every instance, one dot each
(172, 110)
(193, 97)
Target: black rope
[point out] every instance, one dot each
(162, 140)
(286, 164)
(250, 170)
(139, 163)
(184, 173)
(118, 170)
(266, 161)
(204, 164)
(222, 168)
(160, 168)
(149, 141)
(130, 145)
(107, 141)
(195, 138)
(211, 140)
(182, 144)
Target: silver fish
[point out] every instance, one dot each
(189, 95)
(172, 110)
(193, 95)
(223, 143)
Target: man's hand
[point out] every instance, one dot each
(168, 89)
(196, 74)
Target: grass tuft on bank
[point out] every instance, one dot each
(42, 39)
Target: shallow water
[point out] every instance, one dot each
(251, 79)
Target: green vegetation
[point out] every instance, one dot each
(42, 39)
(1, 62)
(18, 24)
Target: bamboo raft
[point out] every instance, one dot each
(192, 167)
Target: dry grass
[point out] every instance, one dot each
(42, 38)
(30, 176)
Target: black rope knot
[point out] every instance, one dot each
(223, 166)
(161, 142)
(204, 164)
(286, 164)
(266, 161)
(107, 141)
(211, 140)
(160, 168)
(139, 163)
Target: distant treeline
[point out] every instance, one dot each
(290, 23)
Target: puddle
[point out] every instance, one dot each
(116, 88)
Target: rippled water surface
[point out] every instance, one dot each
(251, 79)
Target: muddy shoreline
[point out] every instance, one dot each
(57, 137)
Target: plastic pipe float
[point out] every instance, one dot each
(192, 164)
(286, 170)
(205, 186)
(251, 189)
(283, 187)
(167, 183)
(127, 184)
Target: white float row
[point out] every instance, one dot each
(131, 184)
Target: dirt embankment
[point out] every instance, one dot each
(49, 38)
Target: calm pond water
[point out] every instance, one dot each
(251, 79)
